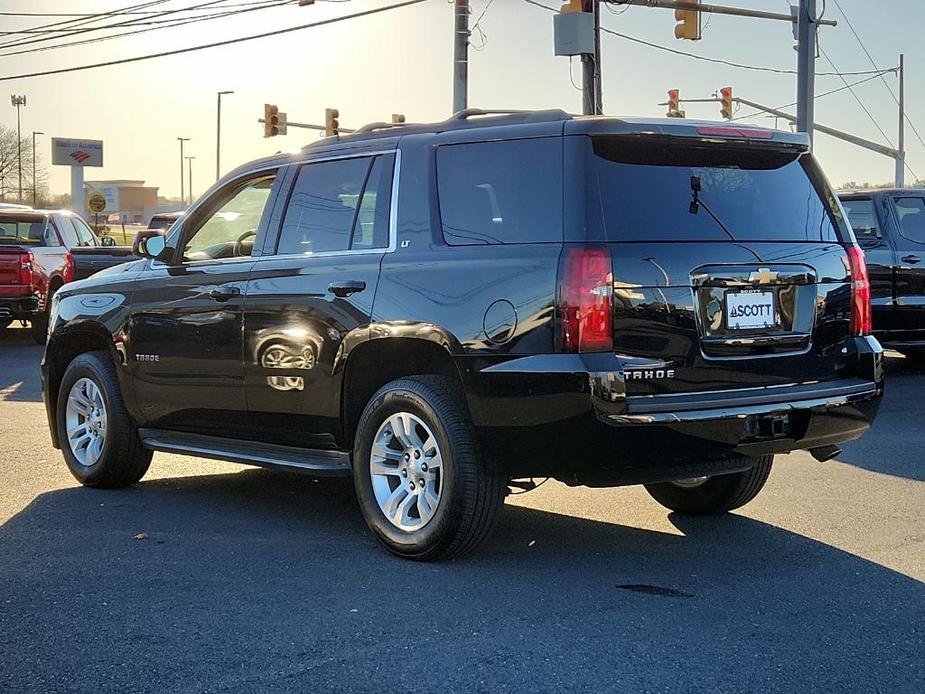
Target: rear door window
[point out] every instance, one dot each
(643, 191)
(501, 192)
(83, 233)
(863, 218)
(338, 206)
(911, 213)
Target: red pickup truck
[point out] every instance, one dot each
(41, 250)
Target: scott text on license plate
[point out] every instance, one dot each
(746, 310)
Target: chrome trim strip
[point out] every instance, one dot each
(393, 214)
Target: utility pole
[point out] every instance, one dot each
(34, 182)
(189, 161)
(806, 67)
(218, 135)
(591, 66)
(461, 57)
(901, 144)
(18, 102)
(182, 184)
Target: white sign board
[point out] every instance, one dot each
(67, 152)
(111, 193)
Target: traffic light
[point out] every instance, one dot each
(274, 122)
(725, 108)
(398, 117)
(331, 124)
(688, 26)
(572, 6)
(303, 3)
(674, 104)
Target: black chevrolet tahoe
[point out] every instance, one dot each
(449, 312)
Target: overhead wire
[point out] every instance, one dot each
(167, 24)
(214, 44)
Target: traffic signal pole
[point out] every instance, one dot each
(806, 66)
(591, 83)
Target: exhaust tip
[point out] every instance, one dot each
(824, 453)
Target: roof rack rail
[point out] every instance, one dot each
(547, 114)
(380, 125)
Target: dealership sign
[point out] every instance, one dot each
(67, 152)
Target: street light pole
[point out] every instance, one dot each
(901, 144)
(18, 102)
(182, 184)
(189, 161)
(34, 183)
(218, 134)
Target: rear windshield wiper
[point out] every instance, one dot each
(697, 203)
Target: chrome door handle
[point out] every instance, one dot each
(342, 289)
(911, 259)
(224, 293)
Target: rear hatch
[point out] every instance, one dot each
(10, 267)
(729, 262)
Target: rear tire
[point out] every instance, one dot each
(717, 494)
(100, 443)
(407, 424)
(39, 324)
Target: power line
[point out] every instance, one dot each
(87, 19)
(163, 24)
(819, 96)
(704, 58)
(216, 44)
(84, 30)
(86, 15)
(873, 62)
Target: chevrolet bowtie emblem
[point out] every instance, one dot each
(763, 276)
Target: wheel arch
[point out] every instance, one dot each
(61, 350)
(372, 364)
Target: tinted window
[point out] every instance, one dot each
(644, 192)
(863, 218)
(231, 221)
(911, 213)
(501, 192)
(372, 223)
(68, 232)
(323, 207)
(23, 231)
(83, 232)
(161, 222)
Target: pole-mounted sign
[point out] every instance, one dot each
(77, 154)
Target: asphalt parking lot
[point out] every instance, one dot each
(250, 580)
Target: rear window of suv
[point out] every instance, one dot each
(643, 191)
(501, 192)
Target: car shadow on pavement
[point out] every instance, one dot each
(263, 581)
(20, 378)
(893, 445)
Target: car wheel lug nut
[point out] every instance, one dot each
(423, 467)
(417, 454)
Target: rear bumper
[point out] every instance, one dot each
(561, 414)
(19, 307)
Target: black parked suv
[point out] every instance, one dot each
(444, 311)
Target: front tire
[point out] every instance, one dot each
(100, 443)
(423, 489)
(716, 494)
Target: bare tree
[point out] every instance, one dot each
(9, 169)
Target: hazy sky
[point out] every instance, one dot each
(400, 61)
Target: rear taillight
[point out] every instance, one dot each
(25, 267)
(68, 268)
(585, 308)
(861, 323)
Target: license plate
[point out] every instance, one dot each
(749, 310)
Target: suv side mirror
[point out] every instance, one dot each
(150, 243)
(107, 241)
